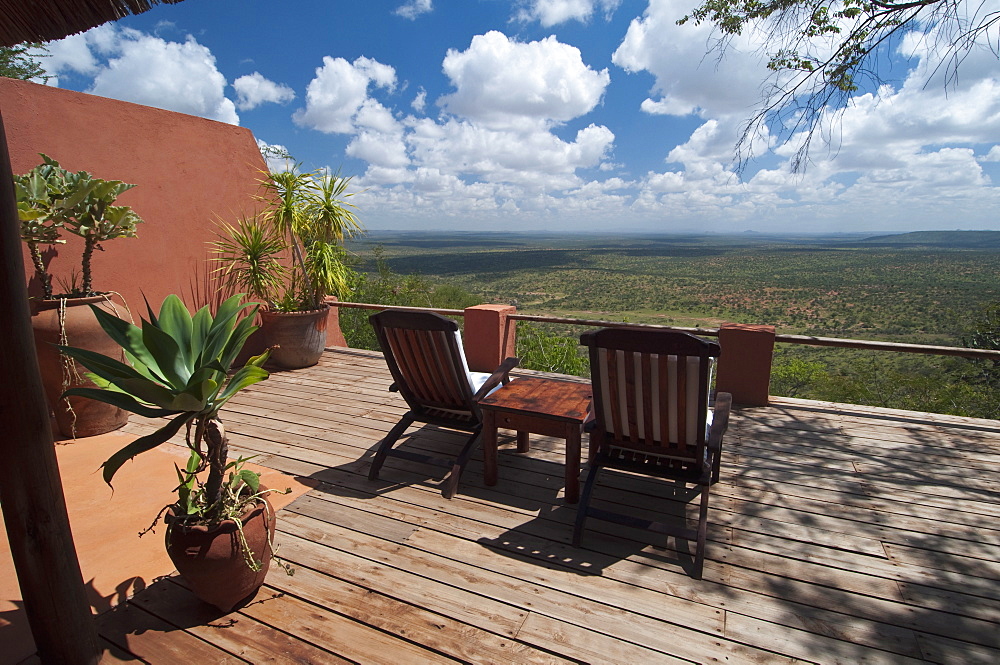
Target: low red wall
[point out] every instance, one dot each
(189, 172)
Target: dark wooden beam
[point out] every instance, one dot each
(31, 495)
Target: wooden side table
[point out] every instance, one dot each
(533, 405)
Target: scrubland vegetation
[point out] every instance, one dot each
(926, 288)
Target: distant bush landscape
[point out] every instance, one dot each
(925, 288)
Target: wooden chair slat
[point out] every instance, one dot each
(425, 357)
(612, 397)
(648, 435)
(629, 406)
(663, 376)
(682, 402)
(653, 422)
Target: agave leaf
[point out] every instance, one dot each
(258, 361)
(241, 333)
(222, 331)
(143, 444)
(100, 364)
(202, 391)
(189, 402)
(149, 310)
(129, 337)
(201, 323)
(149, 392)
(166, 353)
(142, 369)
(245, 376)
(176, 322)
(204, 373)
(121, 400)
(230, 307)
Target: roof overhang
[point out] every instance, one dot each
(45, 20)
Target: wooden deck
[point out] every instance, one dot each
(838, 534)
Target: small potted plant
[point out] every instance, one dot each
(220, 528)
(307, 215)
(50, 201)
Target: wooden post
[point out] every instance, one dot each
(34, 508)
(745, 364)
(489, 336)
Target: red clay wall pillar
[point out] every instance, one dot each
(489, 336)
(745, 364)
(334, 335)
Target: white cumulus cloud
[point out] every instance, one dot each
(137, 67)
(553, 12)
(502, 83)
(170, 75)
(686, 79)
(414, 8)
(252, 90)
(339, 90)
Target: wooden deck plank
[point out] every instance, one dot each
(155, 641)
(430, 629)
(338, 634)
(838, 533)
(821, 596)
(236, 633)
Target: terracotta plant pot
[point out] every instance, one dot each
(211, 561)
(300, 337)
(75, 416)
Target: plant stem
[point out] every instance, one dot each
(44, 277)
(218, 452)
(88, 252)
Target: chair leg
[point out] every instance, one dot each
(386, 445)
(699, 559)
(584, 505)
(451, 486)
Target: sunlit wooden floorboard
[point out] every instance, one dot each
(839, 534)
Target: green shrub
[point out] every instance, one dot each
(385, 287)
(542, 349)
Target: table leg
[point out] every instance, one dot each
(489, 447)
(523, 445)
(572, 463)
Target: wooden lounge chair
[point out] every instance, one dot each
(651, 415)
(427, 360)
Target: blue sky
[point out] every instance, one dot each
(553, 115)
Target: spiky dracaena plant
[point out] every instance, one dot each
(308, 213)
(179, 369)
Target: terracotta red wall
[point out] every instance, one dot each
(188, 171)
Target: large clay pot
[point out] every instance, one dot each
(75, 416)
(211, 561)
(299, 337)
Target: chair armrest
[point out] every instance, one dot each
(500, 375)
(720, 420)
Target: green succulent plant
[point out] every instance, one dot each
(51, 199)
(178, 368)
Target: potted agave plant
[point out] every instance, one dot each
(220, 528)
(51, 200)
(307, 216)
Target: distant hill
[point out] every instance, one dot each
(947, 239)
